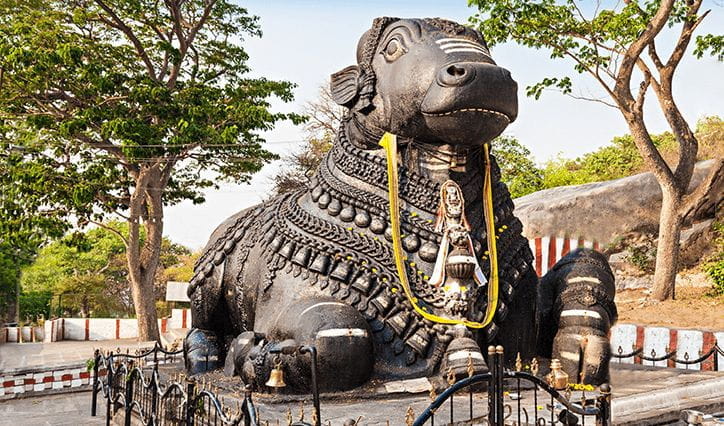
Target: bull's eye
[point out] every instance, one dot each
(393, 50)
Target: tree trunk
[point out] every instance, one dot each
(144, 301)
(667, 251)
(146, 207)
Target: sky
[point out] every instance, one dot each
(304, 41)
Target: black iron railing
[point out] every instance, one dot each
(131, 382)
(671, 356)
(558, 408)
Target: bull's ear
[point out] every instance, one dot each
(344, 87)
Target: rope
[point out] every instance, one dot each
(389, 143)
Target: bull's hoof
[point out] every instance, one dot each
(238, 352)
(201, 351)
(584, 355)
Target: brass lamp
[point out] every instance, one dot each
(557, 378)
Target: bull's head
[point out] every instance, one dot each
(428, 79)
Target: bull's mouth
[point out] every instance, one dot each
(461, 110)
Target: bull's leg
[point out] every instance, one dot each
(338, 331)
(203, 345)
(577, 312)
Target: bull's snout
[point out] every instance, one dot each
(470, 102)
(462, 73)
(456, 74)
(466, 85)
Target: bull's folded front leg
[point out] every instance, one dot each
(576, 304)
(340, 334)
(201, 351)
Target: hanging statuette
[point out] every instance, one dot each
(456, 269)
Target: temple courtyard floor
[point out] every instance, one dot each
(641, 395)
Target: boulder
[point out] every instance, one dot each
(601, 211)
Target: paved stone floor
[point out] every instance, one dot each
(633, 387)
(64, 409)
(21, 356)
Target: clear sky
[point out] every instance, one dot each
(305, 41)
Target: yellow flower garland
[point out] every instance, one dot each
(389, 143)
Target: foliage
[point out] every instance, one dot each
(710, 133)
(35, 304)
(518, 170)
(714, 266)
(89, 273)
(615, 44)
(643, 256)
(182, 269)
(595, 37)
(116, 109)
(9, 275)
(299, 167)
(621, 158)
(324, 117)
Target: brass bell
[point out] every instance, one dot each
(276, 377)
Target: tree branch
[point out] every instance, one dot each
(113, 230)
(634, 50)
(687, 30)
(119, 24)
(707, 193)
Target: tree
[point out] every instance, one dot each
(324, 118)
(614, 47)
(517, 168)
(123, 107)
(88, 271)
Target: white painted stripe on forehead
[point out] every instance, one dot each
(454, 44)
(457, 40)
(468, 50)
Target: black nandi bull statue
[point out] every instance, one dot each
(317, 266)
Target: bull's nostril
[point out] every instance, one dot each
(455, 71)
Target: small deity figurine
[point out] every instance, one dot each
(457, 269)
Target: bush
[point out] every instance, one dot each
(714, 266)
(34, 304)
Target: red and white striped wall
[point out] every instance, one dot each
(91, 328)
(659, 341)
(549, 250)
(30, 382)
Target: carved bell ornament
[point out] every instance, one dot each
(557, 378)
(276, 377)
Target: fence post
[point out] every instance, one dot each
(715, 365)
(491, 387)
(248, 408)
(312, 351)
(190, 408)
(109, 395)
(94, 400)
(500, 409)
(604, 406)
(129, 398)
(154, 394)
